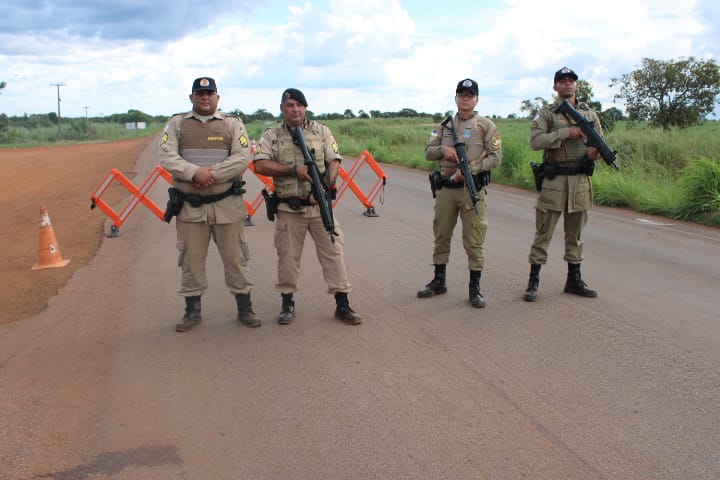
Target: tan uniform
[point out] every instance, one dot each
(189, 142)
(292, 226)
(567, 195)
(483, 145)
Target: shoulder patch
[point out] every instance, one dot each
(164, 139)
(534, 125)
(243, 140)
(496, 141)
(335, 148)
(434, 133)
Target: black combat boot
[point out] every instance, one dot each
(476, 297)
(436, 285)
(287, 313)
(246, 316)
(192, 315)
(575, 284)
(533, 283)
(344, 312)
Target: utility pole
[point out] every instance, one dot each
(58, 85)
(86, 117)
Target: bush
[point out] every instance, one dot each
(700, 184)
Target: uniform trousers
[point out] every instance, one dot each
(449, 204)
(193, 240)
(291, 228)
(545, 222)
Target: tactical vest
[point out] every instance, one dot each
(204, 143)
(572, 152)
(474, 140)
(289, 154)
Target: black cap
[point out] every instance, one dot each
(565, 72)
(295, 94)
(204, 83)
(467, 84)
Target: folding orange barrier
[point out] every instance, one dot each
(139, 195)
(253, 207)
(349, 182)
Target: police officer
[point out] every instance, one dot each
(483, 145)
(566, 189)
(207, 151)
(297, 211)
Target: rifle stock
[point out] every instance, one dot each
(593, 137)
(318, 188)
(464, 165)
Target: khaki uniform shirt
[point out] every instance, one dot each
(550, 132)
(277, 145)
(224, 140)
(483, 144)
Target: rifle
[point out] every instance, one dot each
(593, 137)
(319, 190)
(464, 165)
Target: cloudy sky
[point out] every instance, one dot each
(117, 55)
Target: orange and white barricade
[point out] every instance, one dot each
(139, 195)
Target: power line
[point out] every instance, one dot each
(58, 85)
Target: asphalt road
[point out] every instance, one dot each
(625, 386)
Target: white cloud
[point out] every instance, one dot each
(358, 54)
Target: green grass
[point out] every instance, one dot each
(674, 174)
(670, 173)
(73, 133)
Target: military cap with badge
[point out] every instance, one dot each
(295, 94)
(565, 72)
(204, 83)
(468, 85)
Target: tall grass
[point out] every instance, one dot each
(74, 132)
(674, 174)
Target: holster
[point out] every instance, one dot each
(174, 204)
(482, 180)
(538, 171)
(589, 166)
(436, 182)
(271, 204)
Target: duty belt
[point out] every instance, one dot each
(566, 170)
(482, 179)
(294, 202)
(177, 199)
(196, 199)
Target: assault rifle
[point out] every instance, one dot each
(593, 137)
(319, 190)
(464, 165)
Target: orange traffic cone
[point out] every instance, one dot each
(48, 251)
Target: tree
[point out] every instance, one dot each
(349, 114)
(2, 85)
(614, 114)
(532, 107)
(584, 93)
(263, 115)
(407, 112)
(670, 93)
